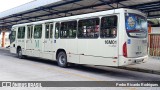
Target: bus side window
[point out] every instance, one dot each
(21, 32)
(51, 31)
(63, 30)
(12, 36)
(47, 30)
(88, 28)
(38, 31)
(68, 29)
(108, 27)
(29, 32)
(57, 28)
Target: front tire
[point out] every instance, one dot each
(62, 59)
(19, 53)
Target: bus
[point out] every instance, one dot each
(109, 38)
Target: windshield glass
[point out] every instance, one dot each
(136, 25)
(12, 36)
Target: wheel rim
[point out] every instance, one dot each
(62, 59)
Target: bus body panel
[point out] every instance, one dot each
(137, 47)
(70, 46)
(95, 51)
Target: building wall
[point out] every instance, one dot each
(6, 39)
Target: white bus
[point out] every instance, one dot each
(110, 38)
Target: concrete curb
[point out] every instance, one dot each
(141, 70)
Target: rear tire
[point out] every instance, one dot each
(62, 59)
(19, 54)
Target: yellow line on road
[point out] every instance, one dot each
(70, 73)
(75, 74)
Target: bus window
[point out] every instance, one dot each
(136, 25)
(68, 29)
(108, 27)
(37, 31)
(21, 32)
(12, 36)
(88, 28)
(29, 32)
(57, 28)
(49, 30)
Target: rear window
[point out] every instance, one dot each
(136, 25)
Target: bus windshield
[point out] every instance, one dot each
(136, 25)
(12, 36)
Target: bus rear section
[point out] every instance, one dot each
(134, 46)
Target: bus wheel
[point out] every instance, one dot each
(19, 53)
(62, 59)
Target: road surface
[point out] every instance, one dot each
(33, 69)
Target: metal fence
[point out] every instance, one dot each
(154, 44)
